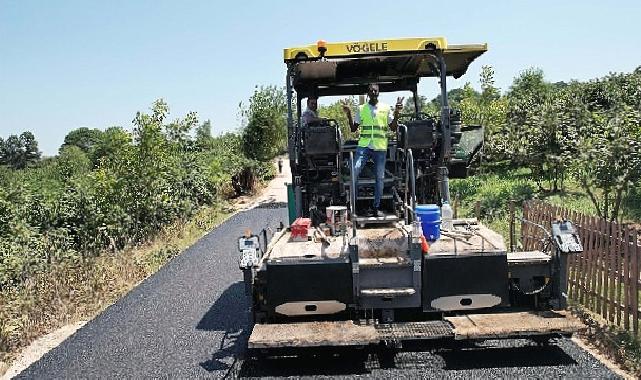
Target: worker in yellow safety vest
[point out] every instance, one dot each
(374, 119)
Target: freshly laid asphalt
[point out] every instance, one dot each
(190, 320)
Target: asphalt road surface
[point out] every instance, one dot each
(190, 321)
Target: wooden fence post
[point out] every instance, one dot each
(635, 282)
(588, 232)
(594, 250)
(606, 265)
(598, 263)
(626, 276)
(524, 226)
(574, 265)
(585, 262)
(619, 274)
(457, 202)
(512, 229)
(613, 251)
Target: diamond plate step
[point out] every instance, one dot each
(388, 292)
(415, 330)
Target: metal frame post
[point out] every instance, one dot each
(445, 132)
(290, 118)
(292, 140)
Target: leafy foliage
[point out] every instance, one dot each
(110, 189)
(335, 111)
(586, 131)
(19, 152)
(265, 125)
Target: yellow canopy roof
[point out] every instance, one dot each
(366, 48)
(396, 64)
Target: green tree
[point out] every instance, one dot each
(203, 137)
(113, 141)
(409, 106)
(265, 128)
(18, 152)
(179, 131)
(454, 98)
(487, 108)
(527, 94)
(608, 122)
(335, 111)
(610, 159)
(84, 138)
(31, 151)
(72, 161)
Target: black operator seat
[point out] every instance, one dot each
(321, 137)
(416, 134)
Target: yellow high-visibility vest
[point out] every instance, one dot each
(373, 127)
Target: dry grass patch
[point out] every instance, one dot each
(73, 291)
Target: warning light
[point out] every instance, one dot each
(322, 48)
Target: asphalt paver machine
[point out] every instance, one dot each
(339, 278)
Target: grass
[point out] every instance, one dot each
(495, 189)
(618, 344)
(72, 292)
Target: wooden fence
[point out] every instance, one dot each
(605, 277)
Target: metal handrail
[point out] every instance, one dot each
(412, 180)
(339, 160)
(352, 191)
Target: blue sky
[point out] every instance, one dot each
(66, 64)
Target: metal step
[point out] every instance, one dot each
(527, 258)
(388, 218)
(370, 197)
(414, 330)
(368, 181)
(388, 292)
(311, 334)
(514, 324)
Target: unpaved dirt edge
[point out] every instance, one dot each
(609, 363)
(39, 347)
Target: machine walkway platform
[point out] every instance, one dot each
(463, 327)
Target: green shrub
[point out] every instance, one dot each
(68, 208)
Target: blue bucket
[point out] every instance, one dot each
(430, 216)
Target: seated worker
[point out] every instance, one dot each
(311, 113)
(374, 118)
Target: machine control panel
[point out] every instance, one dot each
(249, 248)
(566, 237)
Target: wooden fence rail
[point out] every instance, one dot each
(603, 278)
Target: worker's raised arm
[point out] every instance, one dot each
(348, 112)
(397, 110)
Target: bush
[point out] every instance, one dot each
(107, 190)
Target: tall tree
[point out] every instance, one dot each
(84, 138)
(203, 137)
(265, 127)
(113, 141)
(19, 152)
(30, 146)
(335, 111)
(454, 98)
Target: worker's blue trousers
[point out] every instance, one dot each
(378, 156)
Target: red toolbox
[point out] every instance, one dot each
(299, 228)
